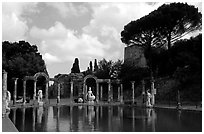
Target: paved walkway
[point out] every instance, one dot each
(7, 125)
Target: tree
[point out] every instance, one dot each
(75, 67)
(142, 32)
(104, 68)
(90, 66)
(167, 23)
(177, 20)
(21, 59)
(95, 65)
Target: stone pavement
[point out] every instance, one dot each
(7, 125)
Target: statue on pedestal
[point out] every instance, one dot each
(148, 101)
(40, 97)
(8, 99)
(90, 96)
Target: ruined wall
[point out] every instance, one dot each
(134, 55)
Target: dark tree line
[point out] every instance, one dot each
(20, 59)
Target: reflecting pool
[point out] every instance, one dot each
(104, 119)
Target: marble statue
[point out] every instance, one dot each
(90, 96)
(40, 97)
(148, 101)
(8, 99)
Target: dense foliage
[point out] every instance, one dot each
(108, 69)
(167, 24)
(161, 27)
(159, 33)
(21, 59)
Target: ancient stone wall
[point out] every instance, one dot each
(134, 55)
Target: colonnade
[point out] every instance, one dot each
(98, 87)
(110, 88)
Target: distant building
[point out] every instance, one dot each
(134, 56)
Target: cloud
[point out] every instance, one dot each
(68, 9)
(67, 44)
(108, 20)
(49, 58)
(14, 26)
(13, 29)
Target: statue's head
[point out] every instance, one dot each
(89, 88)
(39, 91)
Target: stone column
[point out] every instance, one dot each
(71, 94)
(97, 91)
(15, 91)
(58, 93)
(143, 91)
(101, 92)
(133, 91)
(84, 90)
(34, 94)
(46, 91)
(24, 91)
(121, 93)
(109, 91)
(4, 90)
(152, 92)
(178, 100)
(118, 92)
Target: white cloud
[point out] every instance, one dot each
(66, 43)
(14, 26)
(49, 58)
(68, 9)
(108, 20)
(13, 29)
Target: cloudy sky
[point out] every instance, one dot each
(65, 31)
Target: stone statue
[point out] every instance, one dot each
(8, 99)
(40, 97)
(148, 101)
(90, 96)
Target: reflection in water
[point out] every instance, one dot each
(104, 118)
(40, 114)
(91, 117)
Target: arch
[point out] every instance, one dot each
(85, 87)
(46, 85)
(41, 74)
(90, 76)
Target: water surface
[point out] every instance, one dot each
(104, 119)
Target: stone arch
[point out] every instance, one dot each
(90, 76)
(47, 82)
(85, 87)
(64, 85)
(41, 74)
